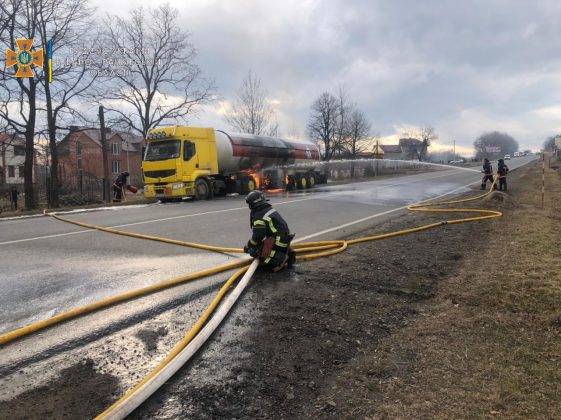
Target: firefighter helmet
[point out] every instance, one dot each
(256, 199)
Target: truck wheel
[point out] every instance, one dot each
(248, 185)
(202, 189)
(311, 180)
(301, 182)
(290, 183)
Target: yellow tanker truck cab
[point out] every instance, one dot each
(175, 157)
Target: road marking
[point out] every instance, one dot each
(323, 232)
(373, 216)
(309, 196)
(312, 196)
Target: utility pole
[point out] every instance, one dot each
(106, 194)
(454, 149)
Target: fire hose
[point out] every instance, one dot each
(203, 328)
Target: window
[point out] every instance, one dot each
(79, 162)
(116, 147)
(19, 151)
(162, 150)
(116, 166)
(11, 171)
(188, 150)
(21, 171)
(79, 150)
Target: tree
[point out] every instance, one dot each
(18, 96)
(549, 144)
(251, 113)
(67, 23)
(323, 123)
(428, 135)
(358, 131)
(161, 80)
(344, 110)
(485, 142)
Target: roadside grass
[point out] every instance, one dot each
(489, 343)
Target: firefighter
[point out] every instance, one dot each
(119, 186)
(502, 171)
(487, 174)
(270, 239)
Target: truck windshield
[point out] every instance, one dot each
(162, 150)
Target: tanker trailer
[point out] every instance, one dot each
(198, 162)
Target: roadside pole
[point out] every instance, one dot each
(543, 180)
(106, 193)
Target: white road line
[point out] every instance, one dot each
(323, 232)
(373, 216)
(311, 197)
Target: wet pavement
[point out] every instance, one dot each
(48, 265)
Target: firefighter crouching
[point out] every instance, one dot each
(270, 239)
(487, 174)
(502, 171)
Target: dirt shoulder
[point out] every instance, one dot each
(461, 321)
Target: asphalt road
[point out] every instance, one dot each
(47, 265)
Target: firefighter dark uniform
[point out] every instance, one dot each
(502, 171)
(118, 186)
(487, 174)
(271, 238)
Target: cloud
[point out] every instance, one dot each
(463, 67)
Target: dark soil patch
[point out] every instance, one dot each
(151, 337)
(79, 392)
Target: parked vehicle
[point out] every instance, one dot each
(199, 162)
(507, 157)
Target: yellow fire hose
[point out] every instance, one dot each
(305, 251)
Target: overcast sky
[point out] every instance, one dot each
(464, 67)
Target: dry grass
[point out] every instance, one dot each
(489, 344)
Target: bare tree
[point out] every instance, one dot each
(323, 123)
(18, 96)
(549, 143)
(251, 113)
(161, 80)
(67, 24)
(428, 135)
(344, 111)
(358, 131)
(494, 145)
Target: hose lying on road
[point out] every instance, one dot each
(305, 251)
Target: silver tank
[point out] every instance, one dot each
(237, 152)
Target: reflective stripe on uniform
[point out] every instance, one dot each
(270, 221)
(258, 222)
(271, 255)
(279, 243)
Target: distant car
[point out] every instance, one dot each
(507, 157)
(455, 162)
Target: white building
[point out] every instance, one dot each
(12, 159)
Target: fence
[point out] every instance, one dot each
(365, 168)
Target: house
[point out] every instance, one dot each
(410, 148)
(12, 159)
(80, 155)
(391, 151)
